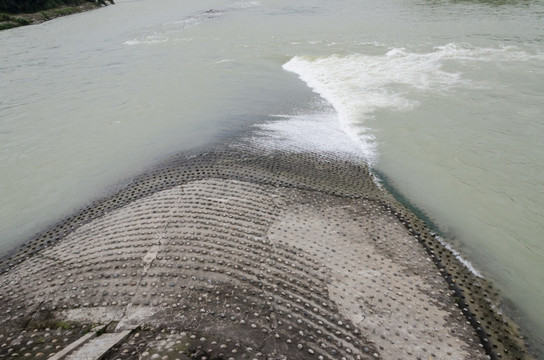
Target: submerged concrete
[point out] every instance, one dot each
(236, 254)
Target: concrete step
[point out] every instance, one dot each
(98, 346)
(77, 344)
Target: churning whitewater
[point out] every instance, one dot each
(443, 100)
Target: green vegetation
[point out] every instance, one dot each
(64, 325)
(15, 13)
(50, 14)
(32, 6)
(8, 21)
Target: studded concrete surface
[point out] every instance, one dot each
(234, 254)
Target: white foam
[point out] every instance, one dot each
(357, 85)
(317, 132)
(465, 262)
(466, 52)
(148, 40)
(170, 31)
(243, 4)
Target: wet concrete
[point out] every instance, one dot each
(237, 254)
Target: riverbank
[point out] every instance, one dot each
(8, 21)
(231, 252)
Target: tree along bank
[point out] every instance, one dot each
(15, 13)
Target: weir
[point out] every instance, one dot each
(236, 253)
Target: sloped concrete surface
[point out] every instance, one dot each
(234, 254)
(97, 347)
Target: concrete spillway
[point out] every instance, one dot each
(235, 254)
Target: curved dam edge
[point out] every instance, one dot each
(236, 253)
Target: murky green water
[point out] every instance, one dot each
(444, 99)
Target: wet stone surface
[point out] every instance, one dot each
(38, 341)
(232, 254)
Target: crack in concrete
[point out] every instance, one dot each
(148, 260)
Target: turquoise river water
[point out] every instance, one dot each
(443, 98)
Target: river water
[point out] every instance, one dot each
(445, 100)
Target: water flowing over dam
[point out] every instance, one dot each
(379, 139)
